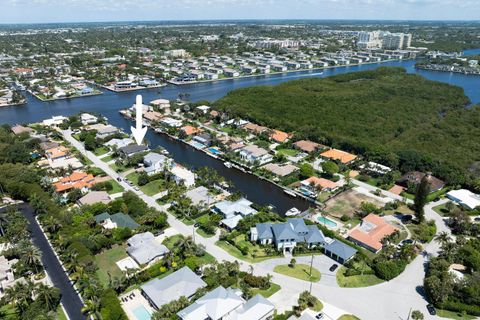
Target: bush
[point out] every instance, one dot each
(256, 281)
(345, 217)
(387, 270)
(460, 307)
(110, 306)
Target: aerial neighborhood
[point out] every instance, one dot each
(344, 194)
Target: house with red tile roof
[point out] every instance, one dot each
(339, 155)
(279, 136)
(77, 180)
(370, 232)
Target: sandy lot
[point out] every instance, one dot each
(348, 202)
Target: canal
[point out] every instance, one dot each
(254, 189)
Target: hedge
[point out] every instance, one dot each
(460, 307)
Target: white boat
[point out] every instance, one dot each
(227, 164)
(290, 193)
(292, 212)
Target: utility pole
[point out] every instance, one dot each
(311, 266)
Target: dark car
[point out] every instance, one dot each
(431, 309)
(333, 267)
(319, 316)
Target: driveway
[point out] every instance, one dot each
(320, 262)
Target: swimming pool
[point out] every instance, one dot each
(214, 150)
(327, 222)
(141, 313)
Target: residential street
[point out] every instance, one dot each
(389, 300)
(70, 299)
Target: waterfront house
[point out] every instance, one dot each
(200, 196)
(339, 155)
(152, 116)
(156, 163)
(202, 109)
(19, 129)
(233, 211)
(87, 118)
(465, 198)
(312, 185)
(183, 176)
(370, 232)
(145, 248)
(254, 154)
(77, 180)
(415, 177)
(54, 121)
(161, 104)
(280, 170)
(287, 235)
(170, 122)
(182, 283)
(117, 220)
(190, 130)
(94, 197)
(204, 139)
(105, 131)
(132, 149)
(119, 143)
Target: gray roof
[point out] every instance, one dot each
(94, 197)
(314, 235)
(283, 231)
(183, 282)
(132, 149)
(241, 206)
(340, 249)
(298, 225)
(264, 230)
(153, 158)
(144, 248)
(199, 195)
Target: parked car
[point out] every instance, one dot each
(319, 316)
(333, 267)
(431, 309)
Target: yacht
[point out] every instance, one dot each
(292, 212)
(227, 164)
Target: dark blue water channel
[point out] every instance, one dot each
(253, 188)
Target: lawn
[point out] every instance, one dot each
(133, 177)
(117, 188)
(441, 209)
(234, 251)
(348, 317)
(107, 158)
(405, 210)
(288, 152)
(300, 271)
(453, 315)
(106, 262)
(100, 151)
(266, 293)
(8, 312)
(356, 281)
(153, 187)
(60, 314)
(170, 241)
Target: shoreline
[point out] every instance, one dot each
(65, 98)
(477, 73)
(283, 72)
(128, 89)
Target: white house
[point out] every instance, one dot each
(183, 175)
(88, 118)
(170, 122)
(203, 109)
(465, 198)
(155, 163)
(253, 153)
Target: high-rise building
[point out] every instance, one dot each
(383, 39)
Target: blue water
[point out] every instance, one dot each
(141, 313)
(256, 190)
(214, 151)
(326, 221)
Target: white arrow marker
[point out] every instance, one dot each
(139, 132)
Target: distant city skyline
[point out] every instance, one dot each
(55, 11)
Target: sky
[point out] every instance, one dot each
(44, 11)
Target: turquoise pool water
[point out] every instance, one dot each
(327, 222)
(214, 151)
(141, 313)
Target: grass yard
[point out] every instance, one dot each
(8, 312)
(60, 314)
(107, 158)
(288, 152)
(356, 281)
(106, 262)
(274, 288)
(454, 315)
(170, 241)
(234, 251)
(441, 209)
(405, 210)
(153, 187)
(347, 203)
(348, 317)
(117, 188)
(300, 271)
(133, 177)
(100, 151)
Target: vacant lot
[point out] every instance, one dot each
(106, 262)
(347, 203)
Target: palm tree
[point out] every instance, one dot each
(443, 238)
(92, 307)
(30, 256)
(48, 295)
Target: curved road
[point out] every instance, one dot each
(70, 300)
(389, 300)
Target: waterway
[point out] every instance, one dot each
(256, 190)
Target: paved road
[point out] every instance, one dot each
(70, 300)
(385, 193)
(389, 300)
